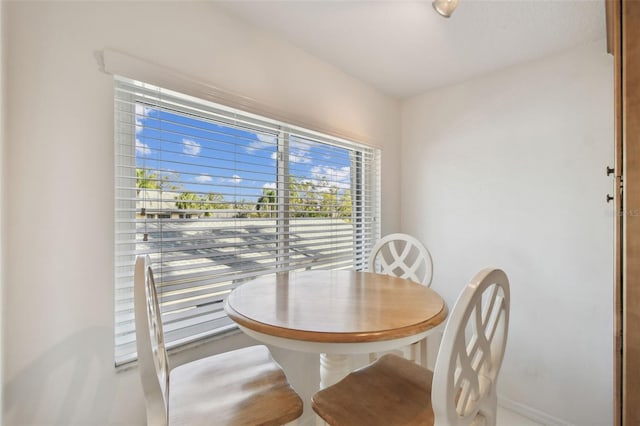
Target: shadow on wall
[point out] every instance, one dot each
(72, 383)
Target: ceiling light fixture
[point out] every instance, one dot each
(445, 7)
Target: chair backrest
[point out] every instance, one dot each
(402, 255)
(152, 356)
(471, 352)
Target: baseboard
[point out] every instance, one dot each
(531, 413)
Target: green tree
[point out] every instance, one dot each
(214, 201)
(304, 198)
(201, 202)
(267, 203)
(308, 198)
(345, 206)
(329, 202)
(146, 179)
(242, 207)
(295, 199)
(188, 201)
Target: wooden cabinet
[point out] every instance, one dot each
(623, 41)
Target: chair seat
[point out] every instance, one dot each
(391, 391)
(241, 387)
(461, 391)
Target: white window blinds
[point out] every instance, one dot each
(217, 196)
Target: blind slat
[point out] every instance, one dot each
(202, 189)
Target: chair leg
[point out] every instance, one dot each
(489, 409)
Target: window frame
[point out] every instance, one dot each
(362, 242)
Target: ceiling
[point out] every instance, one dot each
(404, 48)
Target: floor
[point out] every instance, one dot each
(505, 418)
(509, 418)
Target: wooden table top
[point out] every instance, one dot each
(335, 306)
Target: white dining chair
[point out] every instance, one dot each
(240, 387)
(403, 256)
(462, 388)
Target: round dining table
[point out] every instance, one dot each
(336, 314)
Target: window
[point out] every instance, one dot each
(217, 196)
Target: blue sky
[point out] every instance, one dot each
(206, 157)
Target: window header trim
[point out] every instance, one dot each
(117, 63)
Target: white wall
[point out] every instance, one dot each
(58, 314)
(508, 170)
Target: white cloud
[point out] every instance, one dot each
(300, 157)
(300, 150)
(142, 112)
(142, 148)
(270, 185)
(235, 179)
(336, 176)
(190, 147)
(301, 144)
(264, 141)
(203, 179)
(267, 138)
